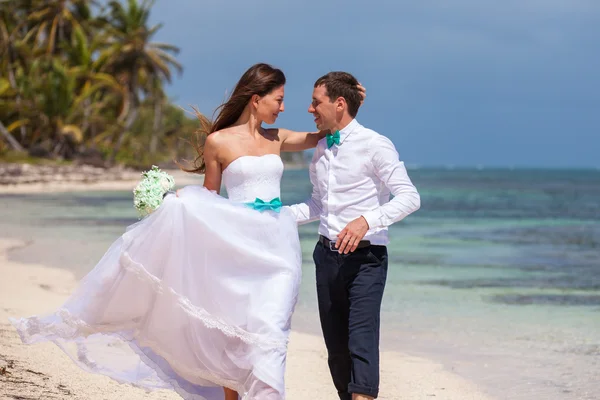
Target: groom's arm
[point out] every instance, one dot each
(309, 210)
(392, 173)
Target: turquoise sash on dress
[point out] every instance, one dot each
(261, 205)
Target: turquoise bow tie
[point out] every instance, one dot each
(261, 205)
(333, 139)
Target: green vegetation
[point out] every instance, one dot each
(80, 81)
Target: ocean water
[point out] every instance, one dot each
(497, 276)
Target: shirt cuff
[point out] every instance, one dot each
(373, 218)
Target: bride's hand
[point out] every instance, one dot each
(322, 134)
(362, 91)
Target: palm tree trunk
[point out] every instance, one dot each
(87, 111)
(157, 125)
(133, 112)
(13, 84)
(128, 123)
(10, 139)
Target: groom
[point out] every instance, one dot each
(353, 172)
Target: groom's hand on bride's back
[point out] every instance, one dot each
(348, 239)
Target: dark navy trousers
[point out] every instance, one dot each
(349, 290)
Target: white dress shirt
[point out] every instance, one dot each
(355, 178)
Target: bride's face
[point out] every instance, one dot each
(269, 106)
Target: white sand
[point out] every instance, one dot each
(42, 371)
(181, 179)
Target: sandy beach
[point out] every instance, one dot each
(42, 371)
(87, 182)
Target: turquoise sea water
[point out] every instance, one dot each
(497, 276)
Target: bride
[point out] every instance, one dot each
(198, 296)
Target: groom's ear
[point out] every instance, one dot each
(340, 104)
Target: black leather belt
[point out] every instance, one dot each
(331, 245)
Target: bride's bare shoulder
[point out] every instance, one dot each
(220, 143)
(217, 138)
(223, 135)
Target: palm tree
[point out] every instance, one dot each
(70, 79)
(159, 98)
(54, 21)
(13, 51)
(7, 108)
(10, 110)
(10, 139)
(131, 56)
(93, 84)
(61, 105)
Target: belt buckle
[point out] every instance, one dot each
(332, 246)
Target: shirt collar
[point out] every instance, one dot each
(348, 129)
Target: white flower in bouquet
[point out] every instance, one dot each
(149, 193)
(166, 182)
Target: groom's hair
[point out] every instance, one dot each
(342, 84)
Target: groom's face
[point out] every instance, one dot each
(322, 108)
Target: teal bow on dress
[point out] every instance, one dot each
(333, 139)
(261, 205)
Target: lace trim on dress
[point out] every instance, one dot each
(76, 327)
(32, 326)
(201, 314)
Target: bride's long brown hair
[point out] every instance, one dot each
(259, 79)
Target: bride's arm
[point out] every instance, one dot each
(212, 171)
(213, 174)
(298, 141)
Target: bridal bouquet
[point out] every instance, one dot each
(149, 193)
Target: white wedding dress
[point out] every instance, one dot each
(196, 296)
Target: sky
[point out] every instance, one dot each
(512, 83)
